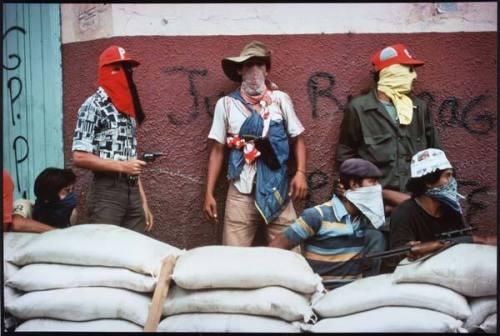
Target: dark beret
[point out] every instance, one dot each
(359, 168)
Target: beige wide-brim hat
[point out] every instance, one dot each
(254, 49)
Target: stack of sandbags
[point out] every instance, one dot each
(484, 314)
(91, 277)
(469, 269)
(12, 241)
(376, 304)
(240, 289)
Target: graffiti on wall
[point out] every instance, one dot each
(320, 85)
(20, 144)
(199, 102)
(453, 112)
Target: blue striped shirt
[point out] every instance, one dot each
(333, 239)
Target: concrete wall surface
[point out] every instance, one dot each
(180, 80)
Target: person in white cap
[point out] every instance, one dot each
(255, 124)
(105, 142)
(434, 207)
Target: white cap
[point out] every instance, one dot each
(428, 161)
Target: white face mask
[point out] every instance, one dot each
(369, 201)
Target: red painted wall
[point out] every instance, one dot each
(180, 80)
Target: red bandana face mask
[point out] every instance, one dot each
(115, 84)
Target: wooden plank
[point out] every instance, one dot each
(160, 294)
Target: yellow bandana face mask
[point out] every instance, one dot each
(395, 81)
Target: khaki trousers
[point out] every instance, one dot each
(242, 219)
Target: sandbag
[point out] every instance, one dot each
(224, 323)
(9, 269)
(389, 319)
(96, 245)
(35, 277)
(82, 304)
(379, 291)
(245, 267)
(268, 301)
(481, 308)
(10, 294)
(490, 324)
(104, 325)
(13, 241)
(469, 269)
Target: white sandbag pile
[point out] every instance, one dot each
(482, 308)
(98, 275)
(446, 290)
(376, 304)
(53, 276)
(104, 325)
(390, 319)
(12, 241)
(490, 324)
(380, 291)
(225, 323)
(96, 245)
(240, 289)
(271, 301)
(245, 267)
(469, 269)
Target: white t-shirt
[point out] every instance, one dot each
(229, 116)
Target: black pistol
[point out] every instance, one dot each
(150, 156)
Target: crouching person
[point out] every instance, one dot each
(55, 205)
(337, 234)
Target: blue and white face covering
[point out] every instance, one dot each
(447, 194)
(369, 201)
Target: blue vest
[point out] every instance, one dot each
(271, 189)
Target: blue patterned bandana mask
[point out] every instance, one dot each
(446, 194)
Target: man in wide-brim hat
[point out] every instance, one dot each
(255, 123)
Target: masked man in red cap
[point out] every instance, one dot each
(388, 125)
(255, 123)
(105, 142)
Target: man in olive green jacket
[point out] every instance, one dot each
(388, 125)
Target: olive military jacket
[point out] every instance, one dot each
(368, 132)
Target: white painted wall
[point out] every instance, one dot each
(82, 22)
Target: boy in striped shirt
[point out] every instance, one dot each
(337, 233)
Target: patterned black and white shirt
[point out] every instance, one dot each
(103, 131)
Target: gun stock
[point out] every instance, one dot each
(428, 247)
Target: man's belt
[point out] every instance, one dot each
(129, 179)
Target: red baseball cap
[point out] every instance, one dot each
(114, 54)
(394, 54)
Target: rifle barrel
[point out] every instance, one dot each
(389, 253)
